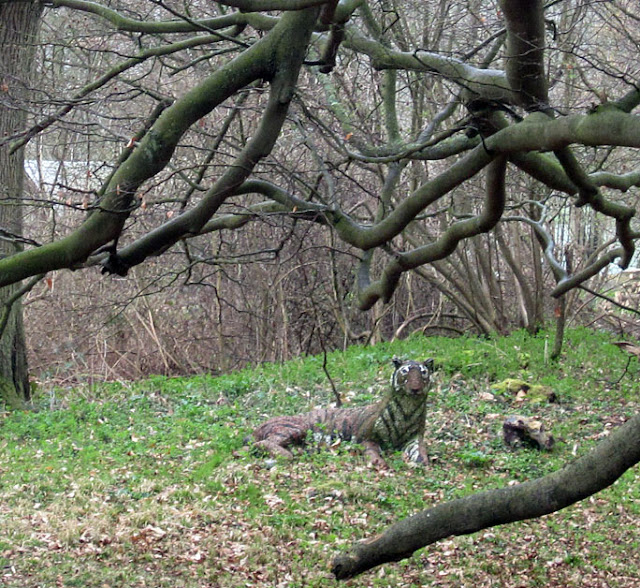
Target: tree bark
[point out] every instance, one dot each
(18, 30)
(587, 475)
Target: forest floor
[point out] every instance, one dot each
(147, 484)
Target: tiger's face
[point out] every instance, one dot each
(412, 377)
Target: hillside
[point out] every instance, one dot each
(147, 483)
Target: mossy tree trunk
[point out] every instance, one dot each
(19, 23)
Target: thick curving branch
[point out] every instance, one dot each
(426, 147)
(574, 280)
(156, 148)
(538, 128)
(260, 5)
(605, 126)
(488, 84)
(495, 200)
(279, 202)
(289, 53)
(589, 474)
(565, 281)
(622, 182)
(123, 23)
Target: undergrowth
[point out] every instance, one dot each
(150, 484)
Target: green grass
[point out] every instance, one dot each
(148, 483)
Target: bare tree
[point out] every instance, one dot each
(20, 23)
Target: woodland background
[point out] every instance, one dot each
(278, 288)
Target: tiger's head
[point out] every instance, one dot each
(411, 377)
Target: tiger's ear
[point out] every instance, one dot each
(397, 362)
(428, 363)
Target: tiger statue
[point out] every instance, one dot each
(392, 423)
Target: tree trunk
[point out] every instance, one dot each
(19, 23)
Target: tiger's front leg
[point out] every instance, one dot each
(374, 454)
(423, 456)
(416, 452)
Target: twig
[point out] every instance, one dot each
(336, 394)
(6, 310)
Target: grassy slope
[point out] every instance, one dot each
(146, 484)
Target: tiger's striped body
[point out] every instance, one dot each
(391, 423)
